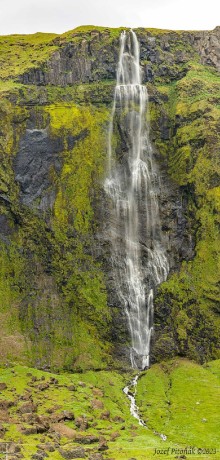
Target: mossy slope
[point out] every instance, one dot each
(90, 410)
(180, 399)
(21, 52)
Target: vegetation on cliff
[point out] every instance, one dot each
(56, 94)
(55, 289)
(21, 52)
(190, 298)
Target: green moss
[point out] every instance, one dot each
(88, 31)
(8, 86)
(98, 93)
(22, 52)
(81, 163)
(81, 277)
(159, 32)
(190, 298)
(180, 400)
(62, 318)
(63, 294)
(12, 281)
(190, 108)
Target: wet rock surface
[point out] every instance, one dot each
(39, 153)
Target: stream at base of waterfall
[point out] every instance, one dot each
(134, 410)
(138, 255)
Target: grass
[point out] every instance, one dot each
(181, 400)
(174, 398)
(85, 31)
(19, 53)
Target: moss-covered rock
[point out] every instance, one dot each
(57, 295)
(58, 306)
(190, 298)
(50, 415)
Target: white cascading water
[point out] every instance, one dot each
(138, 256)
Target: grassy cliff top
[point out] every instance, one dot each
(19, 53)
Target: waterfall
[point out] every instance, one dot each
(138, 256)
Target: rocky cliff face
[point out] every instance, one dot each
(93, 56)
(58, 303)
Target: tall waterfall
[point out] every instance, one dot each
(138, 257)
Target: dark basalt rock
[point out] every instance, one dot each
(78, 452)
(208, 45)
(37, 154)
(85, 61)
(95, 58)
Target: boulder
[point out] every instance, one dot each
(27, 408)
(82, 423)
(43, 386)
(3, 386)
(5, 404)
(96, 457)
(97, 404)
(88, 439)
(105, 415)
(79, 452)
(103, 446)
(64, 430)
